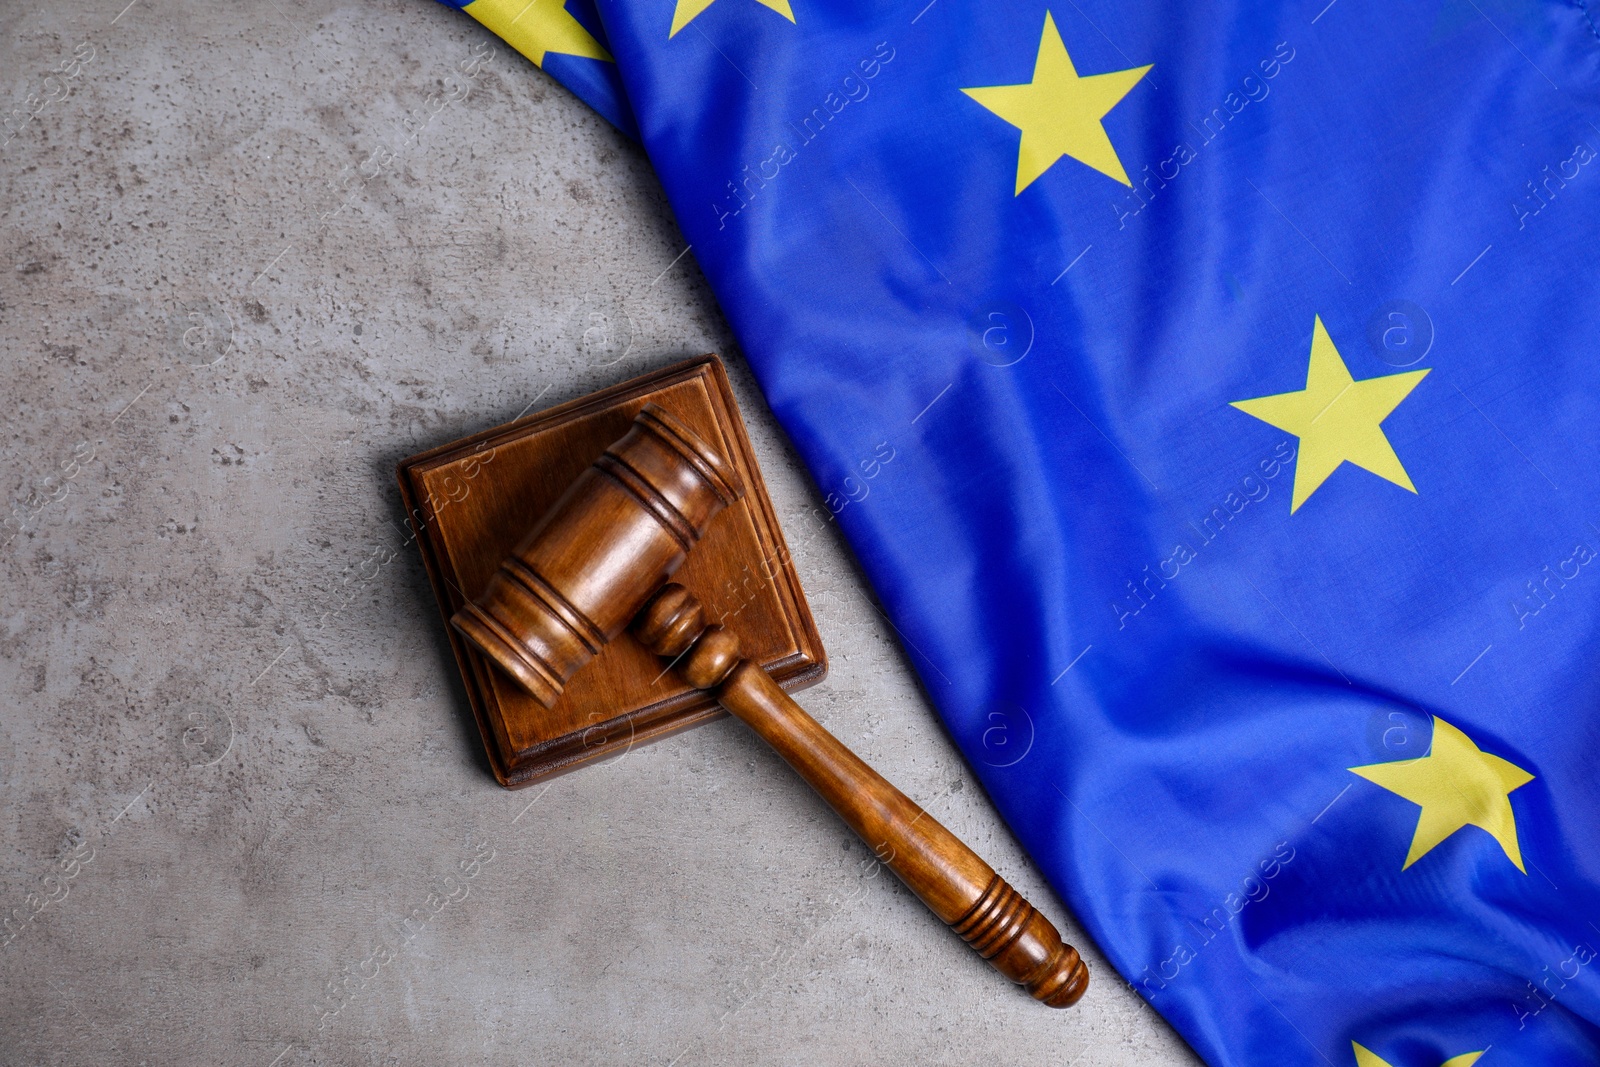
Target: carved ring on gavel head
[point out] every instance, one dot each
(590, 564)
(602, 557)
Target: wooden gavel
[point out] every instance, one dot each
(601, 557)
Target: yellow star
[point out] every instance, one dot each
(1367, 1058)
(1457, 784)
(1337, 418)
(537, 27)
(688, 10)
(1059, 112)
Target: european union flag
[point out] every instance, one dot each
(563, 38)
(1210, 393)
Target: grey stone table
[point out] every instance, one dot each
(245, 267)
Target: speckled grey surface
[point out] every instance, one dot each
(245, 267)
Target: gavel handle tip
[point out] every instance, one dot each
(1066, 983)
(1020, 943)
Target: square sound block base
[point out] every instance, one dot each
(470, 502)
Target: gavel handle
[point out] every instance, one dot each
(955, 883)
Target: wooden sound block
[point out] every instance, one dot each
(470, 502)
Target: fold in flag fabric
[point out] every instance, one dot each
(563, 38)
(1210, 394)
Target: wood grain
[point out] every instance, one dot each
(472, 501)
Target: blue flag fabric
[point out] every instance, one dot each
(564, 38)
(1210, 393)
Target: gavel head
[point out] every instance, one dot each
(599, 554)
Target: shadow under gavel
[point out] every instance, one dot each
(601, 558)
